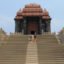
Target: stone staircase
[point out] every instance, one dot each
(13, 51)
(32, 54)
(24, 49)
(49, 51)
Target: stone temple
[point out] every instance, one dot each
(24, 47)
(32, 19)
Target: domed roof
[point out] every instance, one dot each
(32, 6)
(45, 14)
(32, 10)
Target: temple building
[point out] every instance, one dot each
(32, 19)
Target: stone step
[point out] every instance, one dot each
(32, 55)
(13, 51)
(49, 51)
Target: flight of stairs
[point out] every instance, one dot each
(24, 49)
(13, 51)
(32, 54)
(49, 51)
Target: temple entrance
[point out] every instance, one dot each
(32, 32)
(32, 27)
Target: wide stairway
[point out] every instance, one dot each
(49, 50)
(13, 50)
(25, 49)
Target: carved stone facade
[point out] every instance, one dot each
(32, 20)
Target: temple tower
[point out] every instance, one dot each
(32, 19)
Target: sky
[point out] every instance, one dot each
(9, 8)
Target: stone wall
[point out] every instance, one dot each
(61, 35)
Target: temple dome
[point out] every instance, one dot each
(32, 6)
(32, 10)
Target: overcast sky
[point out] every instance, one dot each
(8, 9)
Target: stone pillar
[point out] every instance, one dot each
(21, 25)
(48, 29)
(24, 26)
(40, 29)
(43, 27)
(17, 26)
